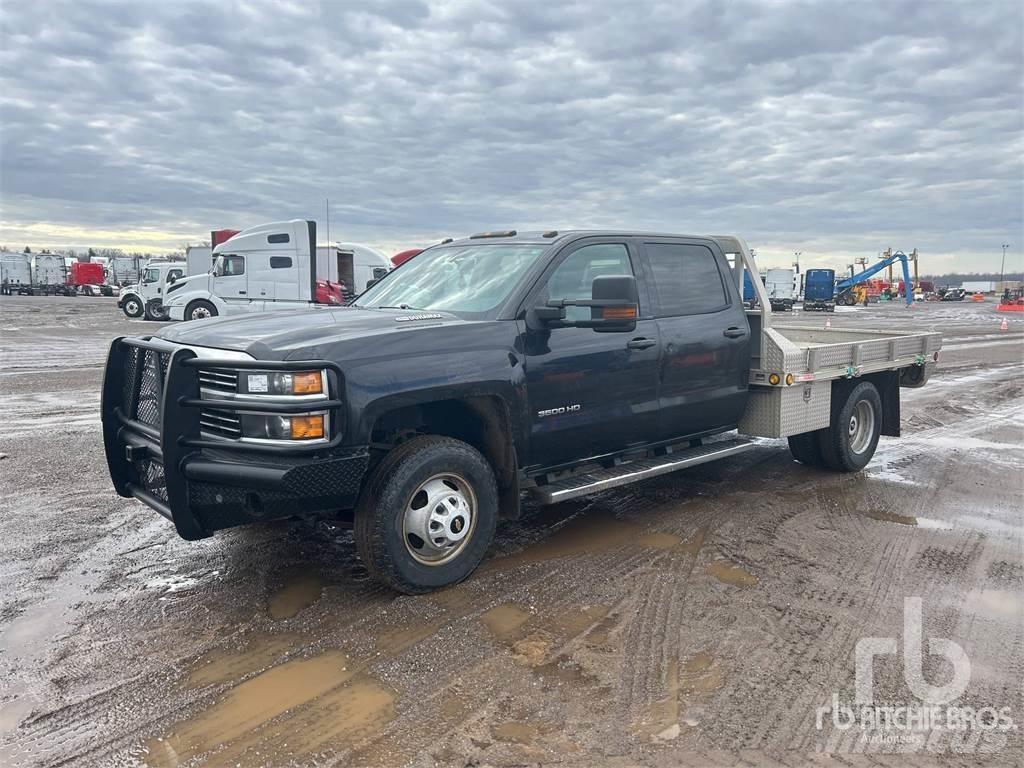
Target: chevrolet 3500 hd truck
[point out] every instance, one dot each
(554, 364)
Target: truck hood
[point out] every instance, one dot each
(298, 333)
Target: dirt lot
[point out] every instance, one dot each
(701, 618)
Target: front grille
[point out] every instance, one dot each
(145, 375)
(219, 380)
(214, 421)
(151, 475)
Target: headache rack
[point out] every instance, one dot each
(154, 416)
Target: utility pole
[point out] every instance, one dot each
(1002, 266)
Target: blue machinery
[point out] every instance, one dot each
(908, 289)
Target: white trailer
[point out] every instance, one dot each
(351, 264)
(49, 272)
(779, 285)
(15, 273)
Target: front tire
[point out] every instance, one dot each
(850, 441)
(200, 309)
(427, 514)
(132, 307)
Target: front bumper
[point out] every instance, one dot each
(176, 312)
(157, 454)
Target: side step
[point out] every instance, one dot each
(643, 469)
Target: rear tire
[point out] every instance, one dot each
(805, 449)
(850, 441)
(156, 311)
(441, 487)
(200, 309)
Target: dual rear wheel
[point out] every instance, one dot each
(849, 442)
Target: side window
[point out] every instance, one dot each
(280, 262)
(232, 265)
(173, 275)
(281, 238)
(685, 278)
(572, 278)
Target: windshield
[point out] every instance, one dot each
(470, 280)
(151, 275)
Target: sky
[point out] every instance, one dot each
(833, 129)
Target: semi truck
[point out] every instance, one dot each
(145, 298)
(551, 365)
(268, 267)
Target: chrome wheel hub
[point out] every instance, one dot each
(439, 519)
(200, 312)
(862, 426)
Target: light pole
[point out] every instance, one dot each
(1002, 264)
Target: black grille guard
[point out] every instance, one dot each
(134, 446)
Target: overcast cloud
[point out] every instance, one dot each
(830, 128)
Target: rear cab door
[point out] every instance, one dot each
(705, 336)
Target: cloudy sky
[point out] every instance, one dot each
(833, 128)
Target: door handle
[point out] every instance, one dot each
(734, 332)
(640, 343)
(241, 293)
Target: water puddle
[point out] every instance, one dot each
(300, 591)
(251, 704)
(729, 573)
(890, 517)
(659, 540)
(504, 620)
(584, 534)
(684, 687)
(223, 666)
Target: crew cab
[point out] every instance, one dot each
(549, 364)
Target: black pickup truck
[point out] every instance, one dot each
(550, 363)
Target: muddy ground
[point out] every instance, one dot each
(700, 618)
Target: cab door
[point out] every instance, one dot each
(705, 362)
(589, 393)
(230, 281)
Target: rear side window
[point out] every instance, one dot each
(280, 262)
(279, 238)
(686, 279)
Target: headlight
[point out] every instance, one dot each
(285, 383)
(275, 427)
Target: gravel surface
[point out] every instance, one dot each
(701, 618)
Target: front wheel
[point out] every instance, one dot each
(132, 307)
(427, 514)
(200, 309)
(850, 441)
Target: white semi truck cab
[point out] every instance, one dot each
(267, 267)
(145, 298)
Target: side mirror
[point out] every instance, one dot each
(372, 282)
(172, 279)
(613, 303)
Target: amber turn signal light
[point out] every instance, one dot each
(307, 427)
(310, 383)
(619, 313)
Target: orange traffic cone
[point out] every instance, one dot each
(1004, 326)
(828, 322)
